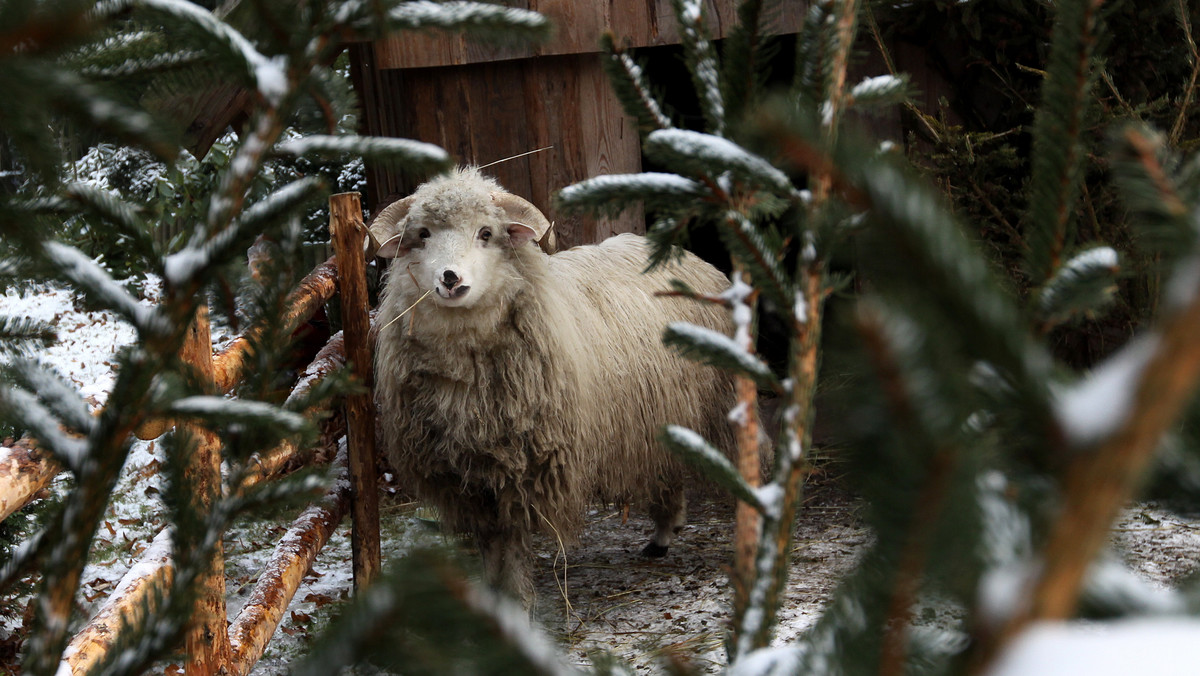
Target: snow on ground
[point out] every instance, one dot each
(599, 595)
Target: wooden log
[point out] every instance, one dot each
(24, 470)
(277, 584)
(135, 594)
(312, 292)
(206, 643)
(155, 567)
(347, 229)
(268, 464)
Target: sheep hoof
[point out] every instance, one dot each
(654, 551)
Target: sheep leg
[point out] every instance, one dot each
(507, 557)
(668, 510)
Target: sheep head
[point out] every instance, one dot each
(453, 232)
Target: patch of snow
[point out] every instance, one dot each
(880, 85)
(1159, 646)
(1096, 406)
(645, 182)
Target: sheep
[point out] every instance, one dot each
(525, 385)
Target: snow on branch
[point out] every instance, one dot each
(225, 410)
(717, 349)
(652, 187)
(696, 451)
(1094, 408)
(456, 15)
(1084, 283)
(58, 394)
(268, 73)
(398, 150)
(88, 275)
(25, 409)
(880, 90)
(718, 155)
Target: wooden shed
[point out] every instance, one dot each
(484, 104)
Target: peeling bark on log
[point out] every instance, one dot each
(347, 229)
(24, 471)
(125, 607)
(253, 627)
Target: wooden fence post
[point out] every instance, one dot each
(348, 231)
(207, 639)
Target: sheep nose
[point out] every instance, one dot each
(450, 279)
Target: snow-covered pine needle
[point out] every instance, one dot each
(269, 74)
(716, 154)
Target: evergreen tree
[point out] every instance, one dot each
(985, 464)
(101, 66)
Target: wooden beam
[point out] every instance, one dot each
(312, 292)
(348, 232)
(136, 593)
(253, 627)
(206, 643)
(24, 470)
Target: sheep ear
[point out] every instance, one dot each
(525, 222)
(519, 234)
(385, 229)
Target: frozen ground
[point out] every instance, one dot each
(600, 595)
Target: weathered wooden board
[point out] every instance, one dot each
(487, 112)
(578, 26)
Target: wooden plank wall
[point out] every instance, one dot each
(486, 112)
(485, 103)
(578, 25)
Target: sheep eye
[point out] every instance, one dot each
(485, 234)
(423, 233)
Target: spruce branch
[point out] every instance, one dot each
(892, 344)
(1102, 479)
(632, 90)
(1156, 190)
(20, 335)
(413, 156)
(616, 192)
(702, 63)
(742, 61)
(73, 265)
(1057, 135)
(719, 350)
(712, 463)
(266, 75)
(693, 152)
(1083, 285)
(58, 394)
(1185, 21)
